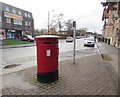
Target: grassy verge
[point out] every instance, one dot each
(13, 42)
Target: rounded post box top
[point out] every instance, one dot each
(47, 37)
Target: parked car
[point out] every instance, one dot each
(83, 37)
(27, 38)
(77, 37)
(69, 39)
(89, 42)
(23, 37)
(30, 38)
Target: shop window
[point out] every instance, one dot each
(10, 35)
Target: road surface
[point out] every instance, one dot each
(26, 56)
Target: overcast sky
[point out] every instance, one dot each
(86, 13)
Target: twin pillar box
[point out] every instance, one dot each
(47, 58)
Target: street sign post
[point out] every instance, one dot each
(74, 27)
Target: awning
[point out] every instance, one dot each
(2, 30)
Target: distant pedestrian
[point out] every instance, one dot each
(95, 37)
(98, 38)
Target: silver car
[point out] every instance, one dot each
(69, 39)
(89, 42)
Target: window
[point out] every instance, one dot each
(29, 15)
(29, 24)
(14, 11)
(8, 21)
(114, 8)
(17, 23)
(7, 8)
(19, 12)
(26, 24)
(0, 21)
(25, 14)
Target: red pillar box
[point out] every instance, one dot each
(47, 58)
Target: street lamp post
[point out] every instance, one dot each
(48, 21)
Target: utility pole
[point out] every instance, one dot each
(74, 26)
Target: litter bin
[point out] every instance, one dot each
(108, 41)
(47, 58)
(103, 39)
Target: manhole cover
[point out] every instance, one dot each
(11, 66)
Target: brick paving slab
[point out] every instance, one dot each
(88, 76)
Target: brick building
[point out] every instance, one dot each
(15, 21)
(111, 18)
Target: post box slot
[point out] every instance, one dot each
(47, 42)
(57, 42)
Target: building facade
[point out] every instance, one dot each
(15, 22)
(111, 18)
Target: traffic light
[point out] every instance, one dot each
(74, 23)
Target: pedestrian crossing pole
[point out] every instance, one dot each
(74, 27)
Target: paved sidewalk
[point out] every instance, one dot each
(89, 76)
(109, 54)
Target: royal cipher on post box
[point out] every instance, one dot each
(47, 58)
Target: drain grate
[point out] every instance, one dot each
(106, 57)
(11, 66)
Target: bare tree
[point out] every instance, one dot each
(69, 25)
(56, 23)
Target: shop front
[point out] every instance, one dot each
(13, 34)
(10, 34)
(3, 33)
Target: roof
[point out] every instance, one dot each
(47, 36)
